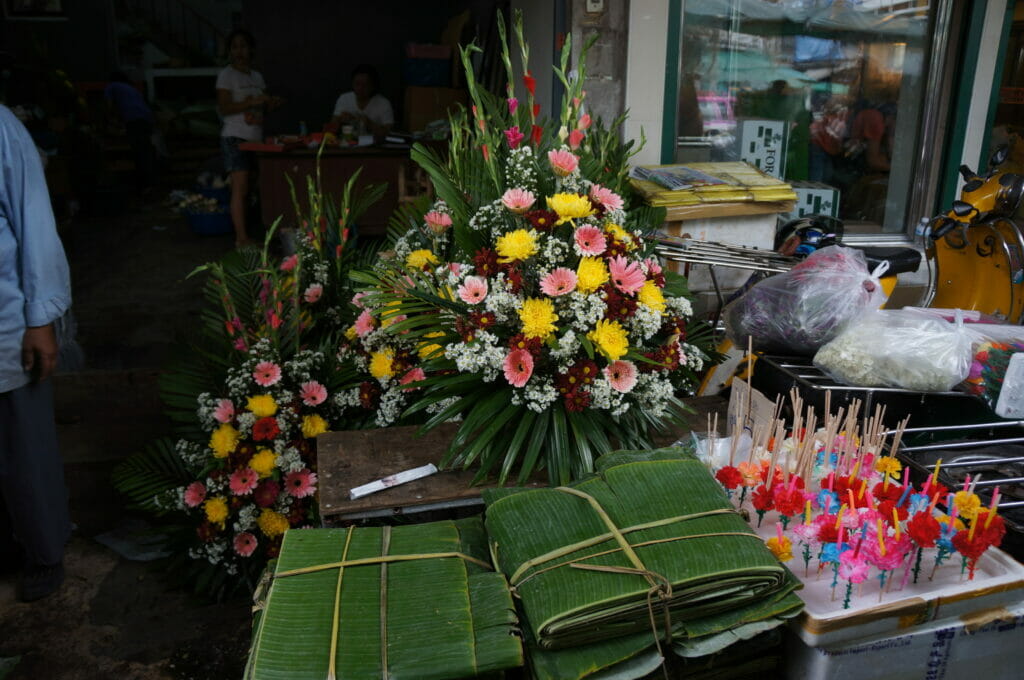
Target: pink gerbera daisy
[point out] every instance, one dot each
(608, 199)
(627, 276)
(621, 374)
(518, 200)
(224, 411)
(313, 293)
(243, 481)
(518, 367)
(245, 543)
(300, 484)
(415, 375)
(266, 373)
(288, 263)
(590, 240)
(364, 323)
(559, 282)
(563, 162)
(473, 290)
(653, 267)
(357, 299)
(437, 221)
(195, 494)
(312, 393)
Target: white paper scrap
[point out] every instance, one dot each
(392, 480)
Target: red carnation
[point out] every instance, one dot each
(923, 529)
(265, 429)
(729, 477)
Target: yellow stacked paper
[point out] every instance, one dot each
(743, 183)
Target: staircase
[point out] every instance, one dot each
(189, 38)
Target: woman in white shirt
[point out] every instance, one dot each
(241, 98)
(363, 108)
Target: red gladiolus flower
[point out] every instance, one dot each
(487, 154)
(265, 429)
(536, 133)
(729, 477)
(536, 110)
(529, 82)
(575, 138)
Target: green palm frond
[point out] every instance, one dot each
(144, 477)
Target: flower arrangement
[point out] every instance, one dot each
(525, 303)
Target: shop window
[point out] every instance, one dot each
(825, 94)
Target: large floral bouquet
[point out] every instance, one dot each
(526, 303)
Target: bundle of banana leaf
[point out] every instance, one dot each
(416, 601)
(650, 543)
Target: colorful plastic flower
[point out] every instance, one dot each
(420, 259)
(590, 240)
(610, 338)
(224, 411)
(626, 275)
(195, 494)
(312, 393)
(223, 440)
(967, 504)
(262, 405)
(538, 317)
(518, 367)
(272, 523)
(853, 567)
(782, 548)
(243, 481)
(516, 245)
(245, 543)
(558, 282)
(473, 290)
(266, 374)
(591, 274)
(438, 222)
(570, 207)
(622, 376)
(312, 425)
(301, 483)
(563, 162)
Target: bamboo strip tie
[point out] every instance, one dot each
(335, 621)
(385, 545)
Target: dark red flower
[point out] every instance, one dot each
(614, 248)
(485, 262)
(577, 400)
(266, 492)
(206, 531)
(465, 329)
(729, 477)
(585, 371)
(298, 514)
(542, 220)
(515, 278)
(241, 455)
(529, 83)
(531, 345)
(482, 320)
(369, 394)
(265, 429)
(619, 307)
(536, 134)
(273, 547)
(673, 325)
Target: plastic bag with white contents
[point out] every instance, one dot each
(900, 348)
(799, 311)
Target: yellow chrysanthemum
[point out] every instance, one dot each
(223, 440)
(652, 296)
(538, 317)
(591, 274)
(967, 504)
(516, 245)
(569, 207)
(418, 259)
(262, 405)
(350, 333)
(264, 462)
(621, 235)
(888, 464)
(610, 338)
(272, 523)
(216, 510)
(429, 350)
(381, 364)
(312, 425)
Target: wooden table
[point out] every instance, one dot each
(379, 165)
(355, 457)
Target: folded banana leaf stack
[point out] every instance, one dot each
(650, 543)
(416, 601)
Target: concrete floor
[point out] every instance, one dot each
(115, 618)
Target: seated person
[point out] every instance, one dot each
(364, 109)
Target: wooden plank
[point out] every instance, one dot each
(349, 459)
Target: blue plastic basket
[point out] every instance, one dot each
(222, 194)
(210, 224)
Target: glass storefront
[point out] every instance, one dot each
(827, 94)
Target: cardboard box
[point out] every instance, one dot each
(763, 143)
(426, 104)
(814, 198)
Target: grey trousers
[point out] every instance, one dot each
(32, 474)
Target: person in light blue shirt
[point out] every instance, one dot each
(35, 292)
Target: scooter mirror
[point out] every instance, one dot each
(999, 156)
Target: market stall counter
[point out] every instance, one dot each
(379, 164)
